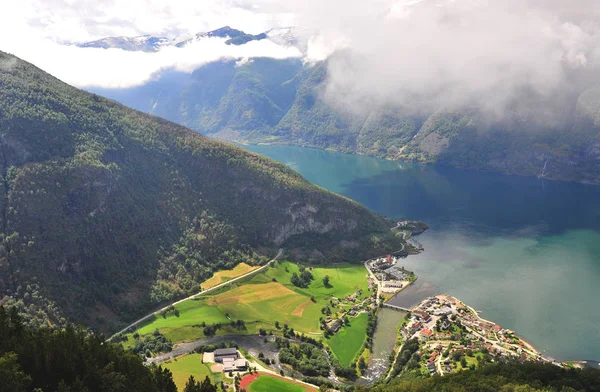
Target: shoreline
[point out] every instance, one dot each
(526, 344)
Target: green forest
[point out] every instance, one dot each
(508, 377)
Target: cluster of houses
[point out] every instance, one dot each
(444, 324)
(354, 297)
(381, 264)
(391, 277)
(357, 306)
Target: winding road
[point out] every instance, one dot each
(148, 316)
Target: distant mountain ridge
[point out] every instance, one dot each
(282, 101)
(149, 43)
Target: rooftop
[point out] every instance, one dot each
(226, 351)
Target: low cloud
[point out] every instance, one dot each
(454, 54)
(490, 55)
(116, 68)
(41, 32)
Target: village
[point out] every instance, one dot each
(452, 337)
(440, 335)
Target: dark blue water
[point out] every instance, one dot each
(524, 251)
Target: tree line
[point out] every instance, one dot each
(71, 360)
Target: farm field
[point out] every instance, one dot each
(226, 275)
(269, 383)
(261, 300)
(186, 366)
(348, 342)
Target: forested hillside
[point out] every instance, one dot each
(283, 101)
(74, 360)
(514, 376)
(106, 212)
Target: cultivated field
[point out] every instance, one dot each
(189, 365)
(348, 342)
(261, 300)
(226, 275)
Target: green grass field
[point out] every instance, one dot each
(260, 300)
(186, 366)
(266, 383)
(348, 342)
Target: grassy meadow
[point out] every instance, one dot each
(189, 365)
(348, 342)
(264, 298)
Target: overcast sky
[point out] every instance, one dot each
(437, 51)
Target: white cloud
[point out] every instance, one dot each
(452, 53)
(116, 68)
(86, 20)
(436, 52)
(32, 30)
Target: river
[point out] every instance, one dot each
(383, 344)
(523, 251)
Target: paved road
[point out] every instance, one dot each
(279, 253)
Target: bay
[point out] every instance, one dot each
(523, 251)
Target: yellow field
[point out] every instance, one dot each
(225, 275)
(267, 303)
(251, 293)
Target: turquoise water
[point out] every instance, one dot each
(523, 251)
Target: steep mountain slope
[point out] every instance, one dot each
(107, 211)
(284, 102)
(220, 97)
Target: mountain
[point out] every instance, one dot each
(283, 101)
(106, 212)
(233, 36)
(143, 43)
(148, 43)
(221, 97)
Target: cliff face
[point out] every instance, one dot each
(308, 219)
(107, 211)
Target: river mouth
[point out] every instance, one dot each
(414, 294)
